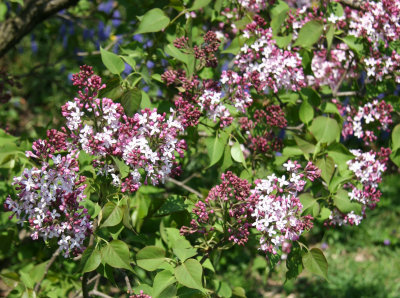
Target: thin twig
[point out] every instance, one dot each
(100, 294)
(128, 284)
(298, 127)
(352, 3)
(109, 46)
(46, 270)
(339, 84)
(188, 188)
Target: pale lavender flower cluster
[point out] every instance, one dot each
(377, 112)
(266, 65)
(377, 21)
(368, 168)
(253, 5)
(329, 67)
(49, 200)
(146, 142)
(277, 213)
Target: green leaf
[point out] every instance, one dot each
(176, 53)
(306, 112)
(199, 4)
(26, 279)
(283, 41)
(190, 274)
(310, 205)
(315, 262)
(327, 167)
(111, 214)
(183, 250)
(354, 44)
(116, 254)
(131, 101)
(343, 203)
(174, 203)
(152, 21)
(279, 7)
(235, 46)
(150, 257)
(325, 130)
(278, 20)
(91, 259)
(162, 280)
(311, 96)
(324, 214)
(215, 148)
(395, 157)
(396, 137)
(237, 153)
(122, 167)
(340, 155)
(239, 292)
(329, 36)
(112, 61)
(222, 289)
(309, 34)
(304, 146)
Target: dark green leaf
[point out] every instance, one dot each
(325, 130)
(190, 274)
(327, 167)
(162, 280)
(130, 101)
(111, 214)
(315, 262)
(306, 112)
(396, 137)
(116, 254)
(112, 61)
(309, 34)
(150, 257)
(152, 21)
(183, 250)
(199, 4)
(91, 259)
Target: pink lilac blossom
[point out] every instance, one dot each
(328, 69)
(140, 295)
(266, 65)
(259, 129)
(229, 204)
(380, 66)
(376, 21)
(49, 200)
(148, 142)
(377, 112)
(368, 168)
(277, 214)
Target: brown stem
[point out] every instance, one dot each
(188, 188)
(12, 30)
(128, 284)
(46, 270)
(352, 3)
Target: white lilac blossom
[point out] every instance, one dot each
(49, 201)
(277, 213)
(149, 142)
(368, 168)
(357, 121)
(266, 65)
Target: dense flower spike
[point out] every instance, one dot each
(260, 135)
(368, 168)
(230, 204)
(147, 142)
(268, 66)
(141, 295)
(49, 198)
(277, 213)
(377, 112)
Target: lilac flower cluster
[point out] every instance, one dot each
(141, 295)
(329, 67)
(357, 120)
(368, 168)
(277, 214)
(49, 198)
(229, 204)
(259, 130)
(376, 21)
(146, 142)
(266, 65)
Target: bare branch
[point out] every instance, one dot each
(128, 284)
(100, 294)
(46, 269)
(188, 188)
(34, 12)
